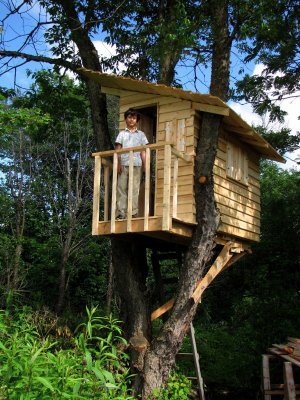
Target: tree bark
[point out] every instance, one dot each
(171, 49)
(63, 266)
(130, 268)
(222, 42)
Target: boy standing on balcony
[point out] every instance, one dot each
(129, 137)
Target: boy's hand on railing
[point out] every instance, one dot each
(120, 168)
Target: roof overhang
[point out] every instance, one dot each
(206, 103)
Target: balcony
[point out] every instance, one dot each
(158, 216)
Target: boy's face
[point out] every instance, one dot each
(131, 121)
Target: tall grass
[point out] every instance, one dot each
(92, 366)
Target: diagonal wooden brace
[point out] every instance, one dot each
(230, 253)
(218, 266)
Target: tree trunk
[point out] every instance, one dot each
(130, 275)
(171, 49)
(63, 265)
(221, 48)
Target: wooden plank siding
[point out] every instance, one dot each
(239, 204)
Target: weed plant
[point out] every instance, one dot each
(178, 387)
(94, 366)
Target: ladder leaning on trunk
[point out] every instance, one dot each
(195, 356)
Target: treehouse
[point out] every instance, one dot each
(171, 120)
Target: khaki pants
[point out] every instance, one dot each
(122, 191)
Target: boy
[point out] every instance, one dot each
(129, 137)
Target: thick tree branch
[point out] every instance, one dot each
(30, 57)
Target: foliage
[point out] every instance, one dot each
(93, 366)
(275, 45)
(45, 196)
(15, 118)
(178, 387)
(282, 140)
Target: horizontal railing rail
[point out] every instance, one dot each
(105, 184)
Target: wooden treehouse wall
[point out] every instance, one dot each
(236, 169)
(238, 201)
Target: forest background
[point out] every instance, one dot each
(48, 258)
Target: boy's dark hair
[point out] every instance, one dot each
(132, 111)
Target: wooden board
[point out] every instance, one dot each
(233, 231)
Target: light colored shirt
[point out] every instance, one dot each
(131, 139)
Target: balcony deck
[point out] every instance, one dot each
(164, 224)
(179, 231)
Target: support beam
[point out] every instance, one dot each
(163, 309)
(230, 253)
(214, 270)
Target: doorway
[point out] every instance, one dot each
(148, 124)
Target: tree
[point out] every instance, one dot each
(65, 167)
(53, 181)
(207, 36)
(18, 157)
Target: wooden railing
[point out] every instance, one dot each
(105, 185)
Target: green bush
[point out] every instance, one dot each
(178, 387)
(34, 367)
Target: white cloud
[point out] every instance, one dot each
(104, 49)
(107, 51)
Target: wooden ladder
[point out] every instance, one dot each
(195, 356)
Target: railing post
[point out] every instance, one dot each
(130, 192)
(106, 192)
(147, 190)
(96, 197)
(114, 194)
(167, 188)
(175, 187)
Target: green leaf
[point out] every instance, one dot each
(45, 382)
(109, 385)
(109, 376)
(89, 361)
(99, 374)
